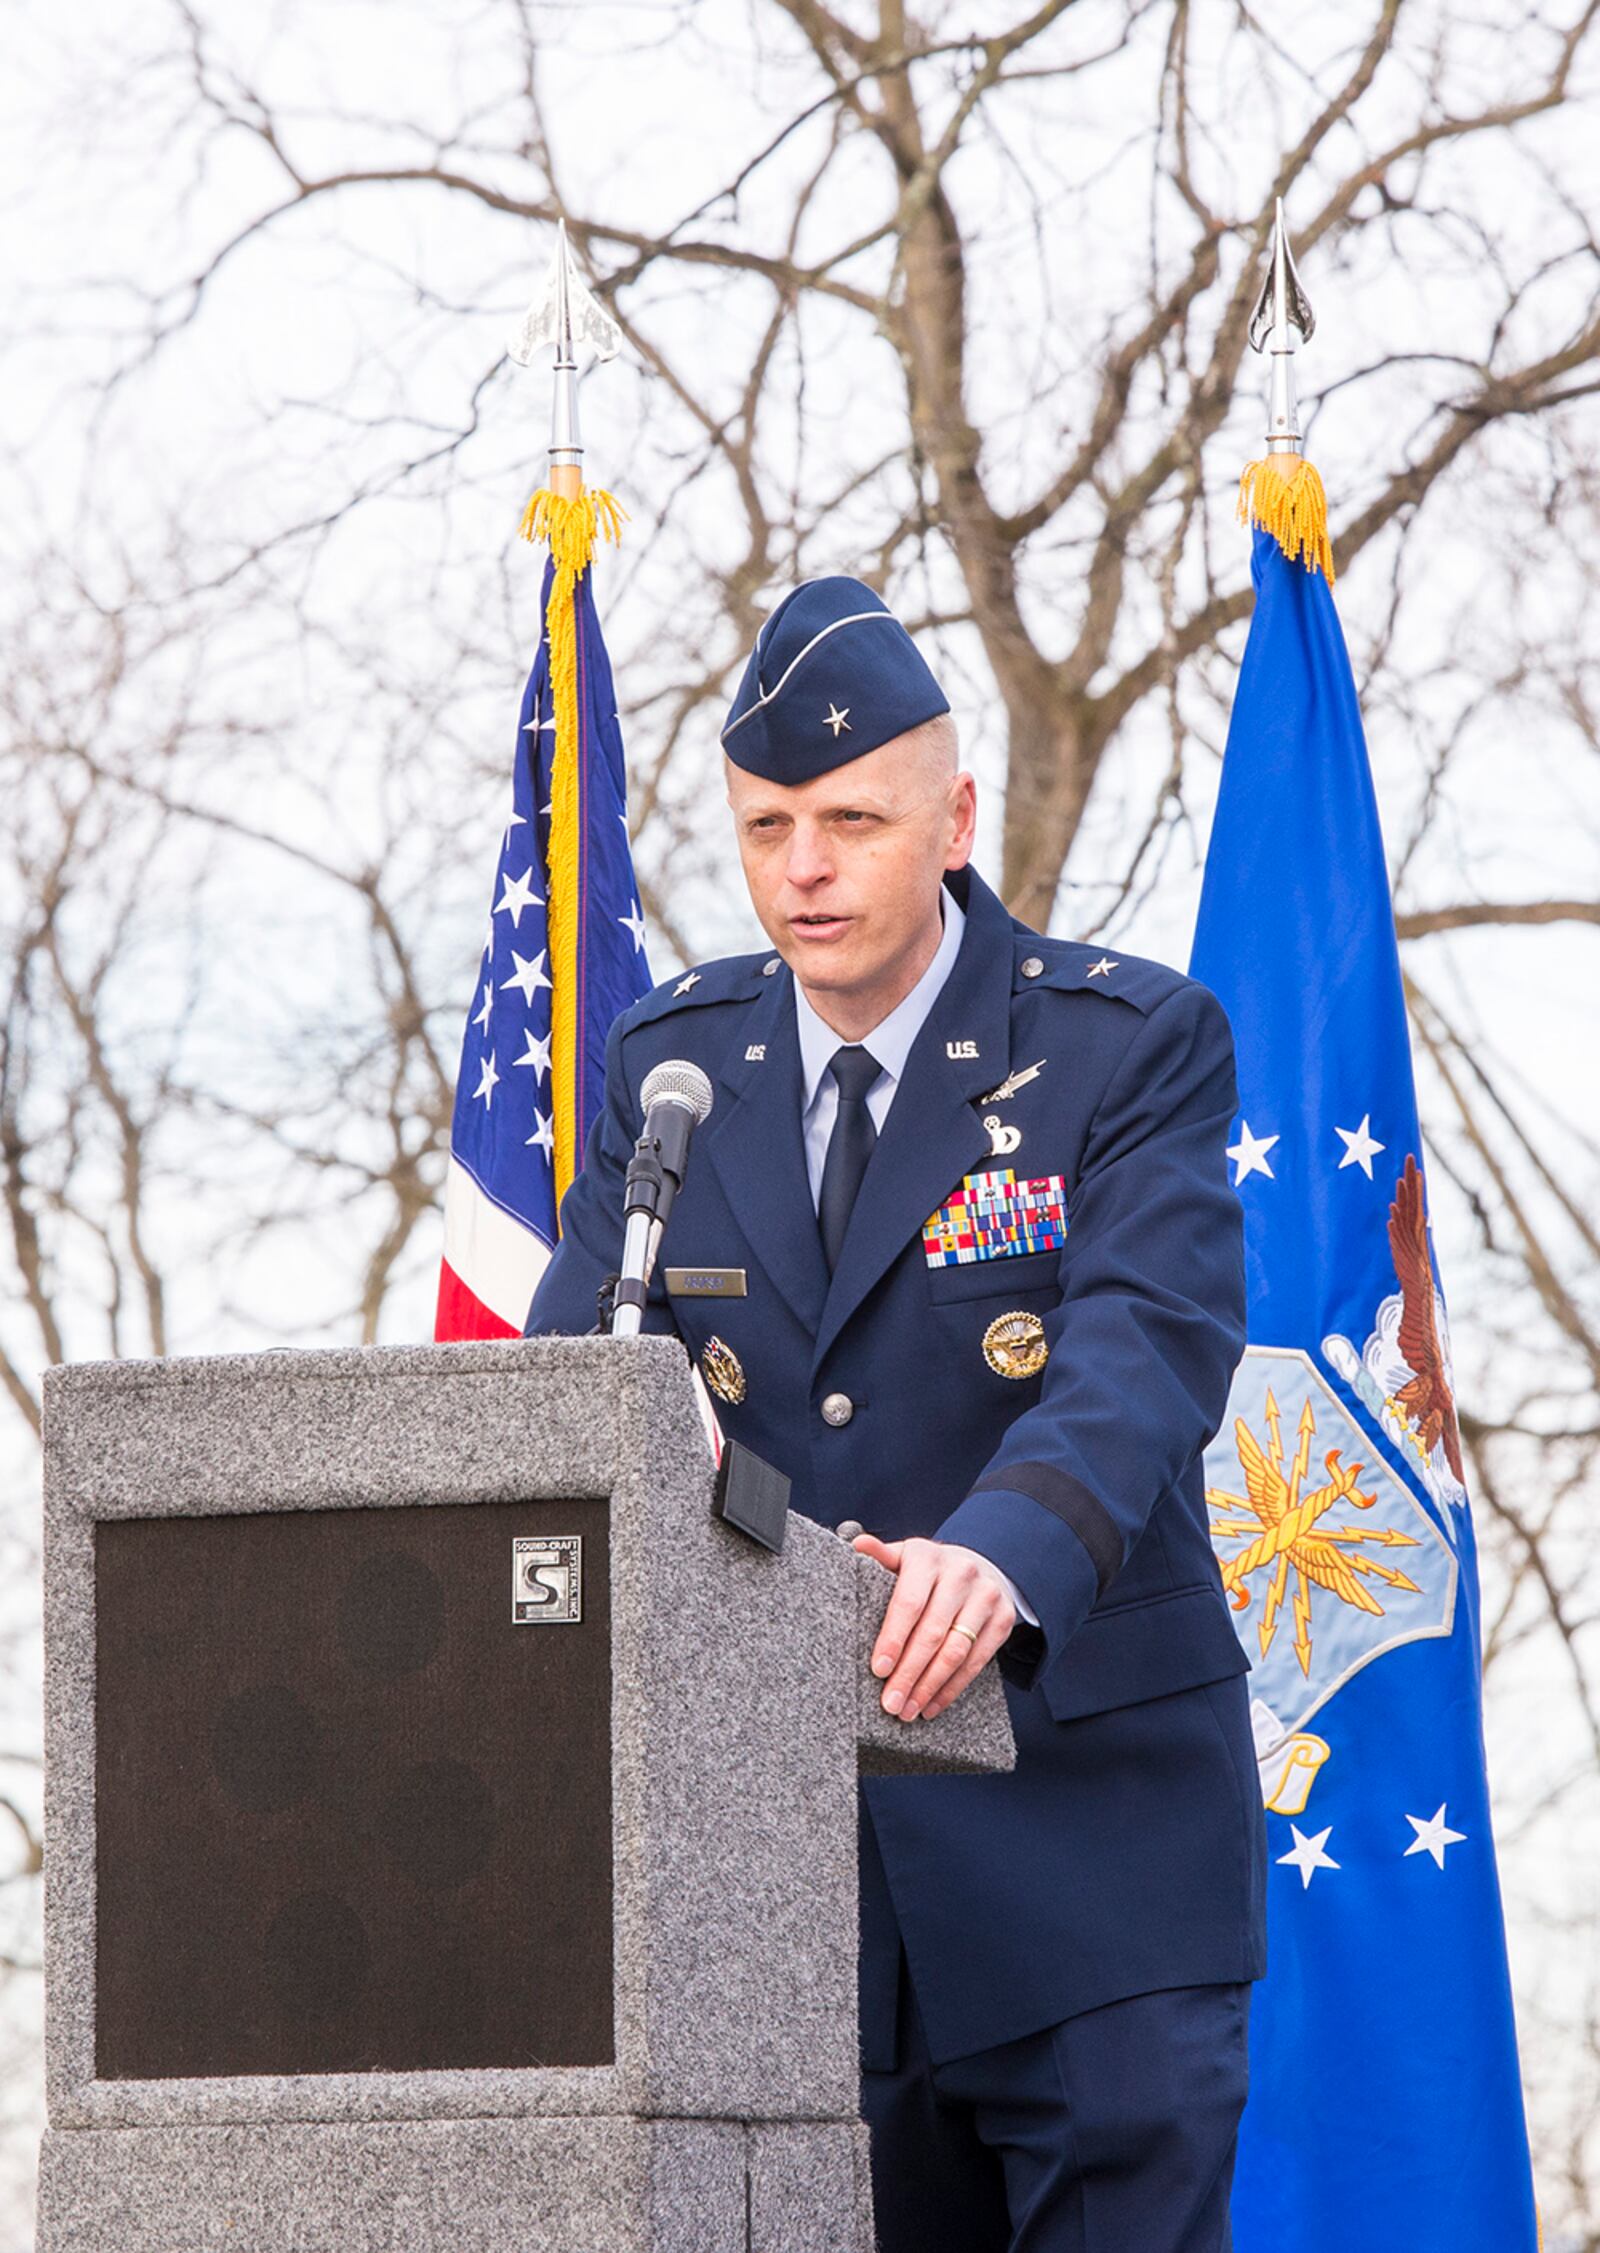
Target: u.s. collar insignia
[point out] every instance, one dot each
(724, 1371)
(1014, 1345)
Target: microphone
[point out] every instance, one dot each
(677, 1098)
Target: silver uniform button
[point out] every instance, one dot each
(838, 1409)
(770, 969)
(1033, 967)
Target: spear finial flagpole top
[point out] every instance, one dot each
(1282, 493)
(1282, 308)
(565, 314)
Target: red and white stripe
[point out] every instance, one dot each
(491, 1265)
(492, 1262)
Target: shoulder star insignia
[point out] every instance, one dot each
(683, 984)
(1103, 968)
(836, 719)
(1008, 1086)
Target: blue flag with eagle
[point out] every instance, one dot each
(1385, 2104)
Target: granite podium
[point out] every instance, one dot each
(450, 1823)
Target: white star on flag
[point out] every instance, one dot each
(510, 826)
(538, 1056)
(544, 1134)
(1433, 1836)
(516, 896)
(482, 1017)
(635, 924)
(528, 976)
(1306, 1854)
(1249, 1153)
(488, 1081)
(1359, 1147)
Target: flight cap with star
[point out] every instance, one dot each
(833, 674)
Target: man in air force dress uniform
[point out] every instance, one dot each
(994, 1293)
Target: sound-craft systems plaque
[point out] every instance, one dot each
(349, 1815)
(547, 1579)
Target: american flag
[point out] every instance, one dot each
(521, 1118)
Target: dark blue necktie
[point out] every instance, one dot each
(849, 1147)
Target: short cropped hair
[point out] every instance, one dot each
(939, 739)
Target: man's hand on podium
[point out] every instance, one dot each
(948, 1616)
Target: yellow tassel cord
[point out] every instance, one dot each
(1283, 494)
(572, 528)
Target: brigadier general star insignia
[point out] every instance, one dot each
(1101, 969)
(683, 984)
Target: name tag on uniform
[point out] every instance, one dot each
(996, 1216)
(705, 1282)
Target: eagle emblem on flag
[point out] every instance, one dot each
(1402, 1373)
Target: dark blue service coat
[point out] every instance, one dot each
(1127, 1850)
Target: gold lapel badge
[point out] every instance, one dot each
(1013, 1345)
(724, 1371)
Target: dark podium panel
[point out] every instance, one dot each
(351, 1815)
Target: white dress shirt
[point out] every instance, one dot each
(889, 1044)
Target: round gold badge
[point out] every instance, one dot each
(724, 1371)
(1013, 1345)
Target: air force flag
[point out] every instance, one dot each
(1385, 2109)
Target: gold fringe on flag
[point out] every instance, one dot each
(572, 529)
(1283, 494)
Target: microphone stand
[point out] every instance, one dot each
(654, 1172)
(749, 1494)
(640, 1241)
